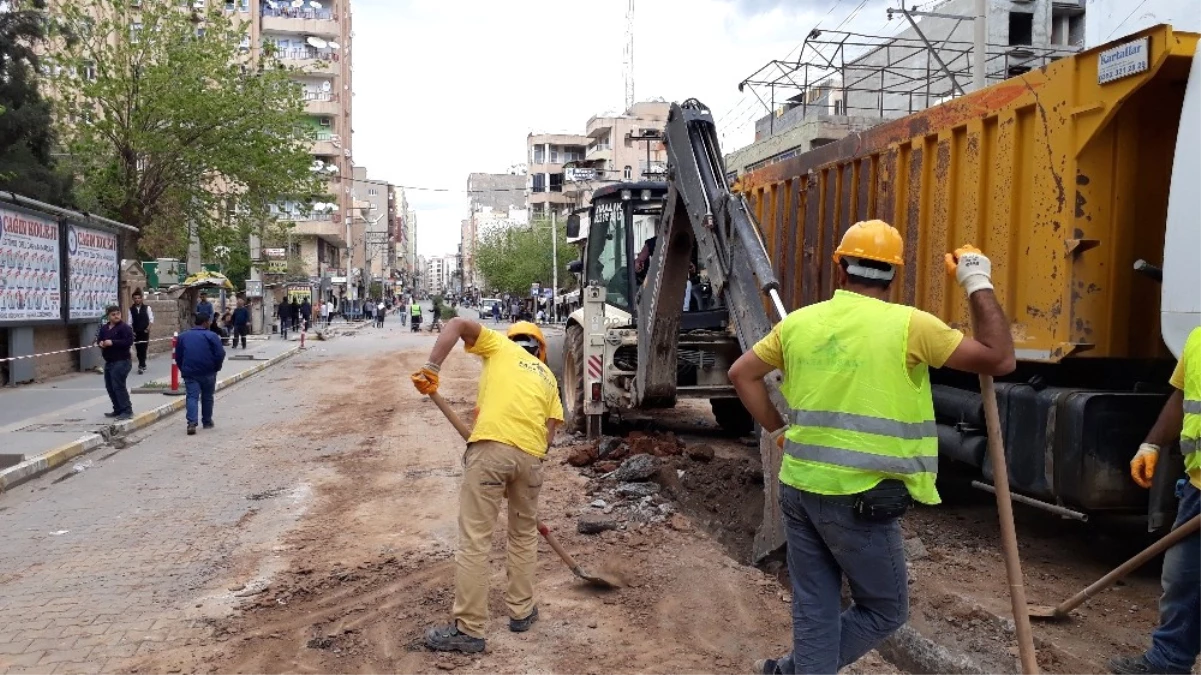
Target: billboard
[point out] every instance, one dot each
(93, 271)
(29, 267)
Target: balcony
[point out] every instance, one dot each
(599, 152)
(327, 144)
(322, 103)
(319, 225)
(320, 22)
(315, 61)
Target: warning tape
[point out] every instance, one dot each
(249, 338)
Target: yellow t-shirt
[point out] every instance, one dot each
(517, 395)
(1177, 380)
(930, 341)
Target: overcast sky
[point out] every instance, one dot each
(444, 88)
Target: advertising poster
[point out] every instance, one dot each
(93, 271)
(29, 269)
(300, 293)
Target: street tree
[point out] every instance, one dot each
(512, 257)
(27, 138)
(173, 122)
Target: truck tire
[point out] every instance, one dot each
(732, 417)
(573, 379)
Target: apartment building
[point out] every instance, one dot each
(440, 274)
(410, 252)
(368, 233)
(315, 38)
(547, 155)
(398, 240)
(494, 199)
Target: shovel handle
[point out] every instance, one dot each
(554, 544)
(451, 415)
(1170, 539)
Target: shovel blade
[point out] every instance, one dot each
(1046, 612)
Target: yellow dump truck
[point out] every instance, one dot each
(1080, 180)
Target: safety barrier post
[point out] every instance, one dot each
(174, 365)
(302, 338)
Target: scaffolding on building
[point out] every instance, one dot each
(846, 73)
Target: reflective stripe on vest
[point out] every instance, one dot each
(1190, 433)
(859, 414)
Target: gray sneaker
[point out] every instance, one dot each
(522, 625)
(450, 639)
(1131, 665)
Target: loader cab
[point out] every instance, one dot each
(622, 222)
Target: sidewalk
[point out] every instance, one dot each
(38, 418)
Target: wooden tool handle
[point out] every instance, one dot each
(1170, 539)
(1009, 538)
(450, 415)
(554, 544)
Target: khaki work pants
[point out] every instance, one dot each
(496, 471)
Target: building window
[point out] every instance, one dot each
(539, 154)
(628, 172)
(1076, 30)
(1021, 28)
(555, 155)
(538, 182)
(135, 32)
(556, 182)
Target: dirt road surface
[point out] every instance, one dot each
(352, 585)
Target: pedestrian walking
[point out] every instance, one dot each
(1176, 643)
(519, 408)
(115, 339)
(295, 314)
(326, 308)
(380, 311)
(283, 312)
(204, 306)
(141, 318)
(860, 444)
(306, 313)
(496, 312)
(199, 355)
(241, 321)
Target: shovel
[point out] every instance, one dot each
(1064, 609)
(601, 580)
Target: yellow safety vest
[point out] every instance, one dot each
(1190, 435)
(415, 309)
(859, 415)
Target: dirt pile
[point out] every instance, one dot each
(608, 451)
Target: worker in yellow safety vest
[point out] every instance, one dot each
(1176, 643)
(860, 442)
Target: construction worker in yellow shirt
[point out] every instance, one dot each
(1176, 643)
(518, 409)
(861, 440)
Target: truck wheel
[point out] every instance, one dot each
(573, 379)
(732, 417)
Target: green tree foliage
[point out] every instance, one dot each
(27, 137)
(170, 123)
(512, 258)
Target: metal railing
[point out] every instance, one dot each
(300, 13)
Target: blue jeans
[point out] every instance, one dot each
(200, 390)
(115, 375)
(825, 542)
(1177, 642)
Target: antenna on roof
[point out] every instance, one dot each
(628, 56)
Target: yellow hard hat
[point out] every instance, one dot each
(532, 330)
(872, 240)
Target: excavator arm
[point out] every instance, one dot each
(702, 217)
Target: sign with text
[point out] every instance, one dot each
(93, 271)
(573, 175)
(29, 267)
(1122, 61)
(275, 253)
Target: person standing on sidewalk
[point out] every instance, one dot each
(115, 339)
(141, 318)
(860, 443)
(306, 313)
(199, 355)
(283, 311)
(241, 323)
(205, 307)
(380, 312)
(324, 311)
(295, 314)
(1176, 643)
(518, 410)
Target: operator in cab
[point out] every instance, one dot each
(860, 443)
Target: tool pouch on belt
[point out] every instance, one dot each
(887, 501)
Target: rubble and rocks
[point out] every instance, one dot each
(598, 504)
(611, 448)
(636, 468)
(915, 550)
(637, 490)
(595, 524)
(605, 466)
(582, 455)
(701, 452)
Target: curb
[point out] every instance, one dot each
(36, 466)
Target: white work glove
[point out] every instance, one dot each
(1142, 467)
(971, 267)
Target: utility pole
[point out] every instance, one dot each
(980, 33)
(554, 263)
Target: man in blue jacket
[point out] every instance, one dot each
(199, 355)
(115, 339)
(241, 323)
